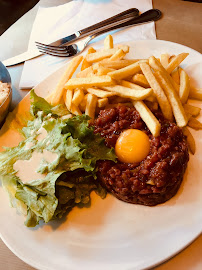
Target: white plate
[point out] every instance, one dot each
(112, 234)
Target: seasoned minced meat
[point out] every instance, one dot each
(156, 178)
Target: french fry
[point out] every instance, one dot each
(67, 116)
(151, 98)
(91, 103)
(126, 71)
(128, 92)
(67, 96)
(82, 105)
(91, 50)
(164, 59)
(117, 55)
(194, 123)
(194, 111)
(86, 73)
(85, 63)
(176, 75)
(188, 115)
(131, 85)
(113, 105)
(75, 110)
(140, 80)
(118, 63)
(158, 91)
(176, 61)
(124, 48)
(100, 93)
(156, 65)
(108, 42)
(97, 56)
(77, 97)
(171, 57)
(151, 105)
(118, 99)
(195, 93)
(147, 116)
(50, 97)
(59, 90)
(102, 102)
(100, 70)
(178, 110)
(184, 86)
(89, 82)
(104, 71)
(190, 140)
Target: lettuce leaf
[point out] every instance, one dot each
(40, 104)
(70, 178)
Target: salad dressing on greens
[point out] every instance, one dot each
(54, 168)
(27, 169)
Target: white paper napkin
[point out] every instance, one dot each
(53, 23)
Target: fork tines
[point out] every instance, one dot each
(51, 47)
(62, 51)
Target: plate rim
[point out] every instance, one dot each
(42, 267)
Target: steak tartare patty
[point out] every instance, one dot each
(155, 179)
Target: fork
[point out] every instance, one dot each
(114, 20)
(78, 47)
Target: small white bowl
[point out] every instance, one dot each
(5, 78)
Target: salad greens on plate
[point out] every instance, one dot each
(62, 182)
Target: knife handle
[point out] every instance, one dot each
(150, 15)
(125, 15)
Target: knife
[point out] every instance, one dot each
(122, 17)
(20, 58)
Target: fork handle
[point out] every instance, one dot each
(125, 15)
(150, 15)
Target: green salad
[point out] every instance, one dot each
(69, 178)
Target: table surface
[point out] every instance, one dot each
(181, 23)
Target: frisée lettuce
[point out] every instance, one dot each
(61, 183)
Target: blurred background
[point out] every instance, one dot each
(12, 10)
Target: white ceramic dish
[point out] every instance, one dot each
(111, 234)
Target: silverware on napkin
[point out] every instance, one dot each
(119, 18)
(77, 47)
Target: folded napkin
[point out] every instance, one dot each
(52, 23)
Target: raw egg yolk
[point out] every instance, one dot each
(132, 146)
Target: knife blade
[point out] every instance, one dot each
(20, 58)
(30, 54)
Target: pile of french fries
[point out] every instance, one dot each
(107, 79)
